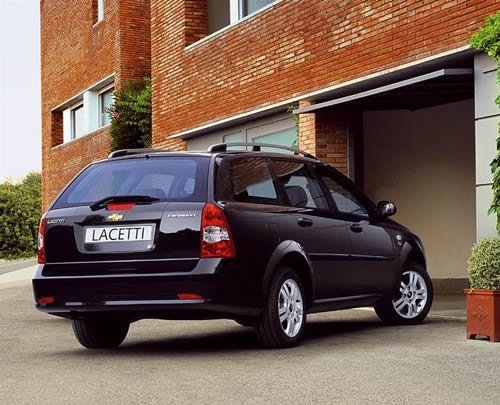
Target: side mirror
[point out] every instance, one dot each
(386, 209)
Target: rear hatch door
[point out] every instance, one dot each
(132, 210)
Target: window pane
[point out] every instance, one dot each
(252, 181)
(105, 101)
(169, 179)
(300, 187)
(344, 200)
(286, 137)
(77, 118)
(218, 15)
(237, 137)
(250, 6)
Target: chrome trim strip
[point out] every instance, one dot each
(126, 261)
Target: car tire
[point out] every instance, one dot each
(413, 300)
(286, 298)
(100, 333)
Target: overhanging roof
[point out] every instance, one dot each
(428, 77)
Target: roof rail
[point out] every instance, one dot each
(137, 151)
(256, 147)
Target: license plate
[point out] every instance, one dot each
(132, 233)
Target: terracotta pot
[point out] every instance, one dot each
(483, 314)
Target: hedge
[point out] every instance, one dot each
(20, 211)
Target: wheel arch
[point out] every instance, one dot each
(292, 254)
(412, 252)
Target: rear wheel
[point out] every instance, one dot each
(283, 320)
(102, 333)
(413, 301)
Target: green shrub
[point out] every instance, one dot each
(484, 265)
(20, 211)
(131, 115)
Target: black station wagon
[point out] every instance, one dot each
(263, 238)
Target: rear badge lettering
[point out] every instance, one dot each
(55, 221)
(181, 215)
(119, 234)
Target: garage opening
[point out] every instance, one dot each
(413, 142)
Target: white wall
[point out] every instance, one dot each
(424, 161)
(487, 115)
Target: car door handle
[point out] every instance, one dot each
(356, 228)
(305, 222)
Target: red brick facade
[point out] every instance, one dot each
(290, 49)
(76, 53)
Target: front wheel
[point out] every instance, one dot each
(100, 333)
(413, 301)
(284, 317)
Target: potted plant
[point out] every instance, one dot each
(483, 297)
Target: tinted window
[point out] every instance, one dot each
(166, 178)
(300, 187)
(251, 181)
(345, 201)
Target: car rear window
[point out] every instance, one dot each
(166, 178)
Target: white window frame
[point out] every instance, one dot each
(235, 17)
(72, 121)
(111, 86)
(236, 10)
(90, 98)
(100, 10)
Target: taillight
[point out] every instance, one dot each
(45, 300)
(189, 296)
(216, 240)
(41, 235)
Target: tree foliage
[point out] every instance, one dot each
(487, 39)
(20, 211)
(131, 115)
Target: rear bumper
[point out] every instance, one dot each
(135, 310)
(139, 296)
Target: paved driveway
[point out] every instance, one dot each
(347, 357)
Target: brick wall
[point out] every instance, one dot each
(291, 49)
(76, 54)
(324, 134)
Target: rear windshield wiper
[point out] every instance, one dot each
(138, 199)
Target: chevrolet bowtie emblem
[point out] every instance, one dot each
(115, 217)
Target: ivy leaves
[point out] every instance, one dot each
(487, 39)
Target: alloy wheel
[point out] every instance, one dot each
(412, 295)
(290, 308)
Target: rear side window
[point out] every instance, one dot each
(166, 178)
(300, 187)
(252, 181)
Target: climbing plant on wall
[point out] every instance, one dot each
(487, 39)
(131, 115)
